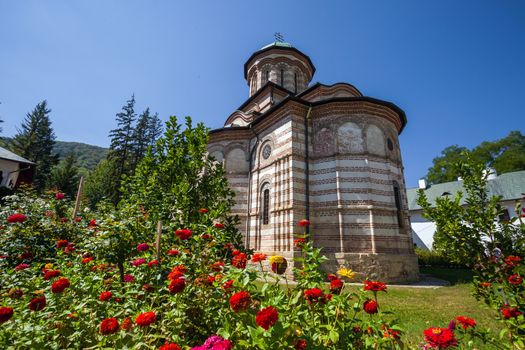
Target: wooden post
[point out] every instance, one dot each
(79, 195)
(157, 242)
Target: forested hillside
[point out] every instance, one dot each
(88, 156)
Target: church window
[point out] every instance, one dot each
(267, 76)
(267, 151)
(282, 77)
(390, 144)
(295, 82)
(266, 207)
(397, 198)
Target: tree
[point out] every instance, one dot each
(121, 148)
(35, 141)
(146, 132)
(65, 176)
(179, 179)
(99, 182)
(504, 155)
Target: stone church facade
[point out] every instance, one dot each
(325, 153)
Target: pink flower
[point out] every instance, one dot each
(59, 196)
(129, 278)
(142, 247)
(138, 262)
(22, 267)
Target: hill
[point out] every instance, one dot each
(88, 156)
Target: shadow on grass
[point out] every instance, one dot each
(454, 276)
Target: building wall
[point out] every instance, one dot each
(9, 173)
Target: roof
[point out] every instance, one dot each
(509, 186)
(5, 154)
(280, 46)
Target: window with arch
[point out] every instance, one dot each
(265, 204)
(267, 76)
(282, 77)
(397, 199)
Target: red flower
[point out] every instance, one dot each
(138, 262)
(485, 284)
(60, 285)
(331, 277)
(142, 247)
(183, 234)
(510, 312)
(22, 267)
(258, 257)
(336, 286)
(206, 236)
(177, 285)
(173, 252)
(240, 301)
(304, 223)
(177, 271)
(217, 266)
(512, 260)
(78, 219)
(109, 326)
(370, 307)
(153, 263)
(170, 346)
(203, 210)
(515, 279)
(267, 317)
(239, 261)
(51, 274)
(37, 304)
(59, 196)
(442, 338)
(218, 225)
(145, 319)
(236, 252)
(127, 324)
(227, 285)
(466, 322)
(5, 314)
(86, 260)
(315, 295)
(391, 333)
(299, 242)
(105, 296)
(62, 243)
(92, 223)
(16, 218)
(129, 278)
(301, 344)
(375, 286)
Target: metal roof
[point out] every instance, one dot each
(510, 186)
(5, 154)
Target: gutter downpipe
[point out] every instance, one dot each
(307, 167)
(250, 178)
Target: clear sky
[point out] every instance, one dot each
(456, 67)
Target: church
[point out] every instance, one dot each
(296, 150)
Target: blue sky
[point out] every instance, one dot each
(457, 68)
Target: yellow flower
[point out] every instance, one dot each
(48, 266)
(276, 259)
(344, 272)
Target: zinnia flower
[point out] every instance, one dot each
(216, 342)
(169, 346)
(109, 326)
(267, 317)
(510, 312)
(315, 295)
(375, 286)
(370, 307)
(239, 261)
(15, 293)
(240, 301)
(344, 272)
(299, 242)
(218, 225)
(336, 286)
(466, 322)
(512, 260)
(16, 218)
(22, 267)
(51, 274)
(129, 278)
(127, 324)
(37, 304)
(142, 247)
(62, 243)
(138, 262)
(515, 279)
(258, 257)
(304, 223)
(5, 314)
(59, 196)
(203, 210)
(276, 259)
(441, 338)
(301, 344)
(87, 260)
(105, 296)
(60, 285)
(153, 263)
(183, 234)
(173, 252)
(177, 285)
(92, 223)
(227, 285)
(145, 319)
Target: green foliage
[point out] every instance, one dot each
(435, 259)
(35, 141)
(504, 155)
(100, 182)
(65, 176)
(179, 179)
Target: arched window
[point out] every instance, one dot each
(267, 77)
(266, 206)
(397, 199)
(282, 77)
(295, 82)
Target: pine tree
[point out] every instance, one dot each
(155, 130)
(35, 141)
(140, 138)
(65, 176)
(121, 148)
